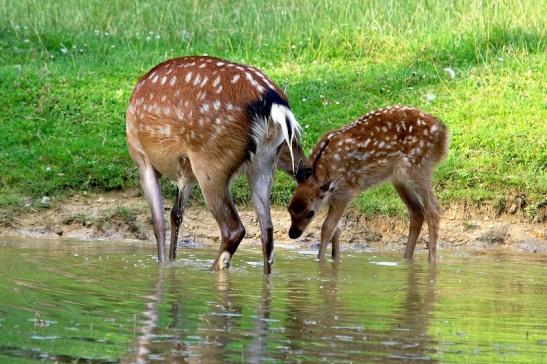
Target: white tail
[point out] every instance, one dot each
(284, 117)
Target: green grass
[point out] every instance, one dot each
(67, 69)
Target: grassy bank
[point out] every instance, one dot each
(67, 69)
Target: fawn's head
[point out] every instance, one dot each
(307, 199)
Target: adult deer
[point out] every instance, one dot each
(201, 120)
(398, 143)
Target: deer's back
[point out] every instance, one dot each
(195, 106)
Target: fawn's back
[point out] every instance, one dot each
(396, 141)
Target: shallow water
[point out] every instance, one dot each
(108, 302)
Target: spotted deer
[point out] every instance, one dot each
(200, 120)
(399, 143)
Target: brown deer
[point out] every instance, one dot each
(201, 120)
(398, 143)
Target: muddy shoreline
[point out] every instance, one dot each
(124, 215)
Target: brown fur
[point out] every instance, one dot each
(398, 143)
(189, 120)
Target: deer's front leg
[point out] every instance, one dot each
(336, 210)
(261, 179)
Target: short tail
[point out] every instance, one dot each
(283, 116)
(441, 140)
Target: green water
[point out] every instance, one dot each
(105, 302)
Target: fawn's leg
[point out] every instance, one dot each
(336, 244)
(416, 211)
(336, 210)
(432, 214)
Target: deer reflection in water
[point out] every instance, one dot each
(318, 319)
(143, 345)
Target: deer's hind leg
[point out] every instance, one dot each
(149, 180)
(177, 212)
(216, 191)
(185, 183)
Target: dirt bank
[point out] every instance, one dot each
(124, 215)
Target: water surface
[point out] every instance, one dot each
(105, 302)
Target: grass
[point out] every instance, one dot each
(67, 69)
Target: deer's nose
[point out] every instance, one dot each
(294, 233)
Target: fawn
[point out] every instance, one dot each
(398, 143)
(201, 120)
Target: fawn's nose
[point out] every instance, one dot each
(294, 233)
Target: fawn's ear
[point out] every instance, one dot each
(302, 173)
(328, 186)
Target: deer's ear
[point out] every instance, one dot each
(328, 186)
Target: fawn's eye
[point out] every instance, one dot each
(297, 207)
(310, 214)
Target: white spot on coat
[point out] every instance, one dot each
(204, 82)
(204, 108)
(188, 77)
(180, 113)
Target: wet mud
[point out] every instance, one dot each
(125, 215)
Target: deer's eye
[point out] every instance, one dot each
(310, 214)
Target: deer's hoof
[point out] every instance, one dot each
(224, 260)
